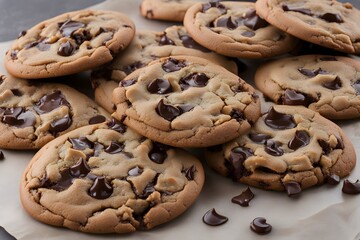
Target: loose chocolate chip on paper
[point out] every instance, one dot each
(332, 179)
(293, 189)
(350, 187)
(260, 226)
(212, 218)
(244, 198)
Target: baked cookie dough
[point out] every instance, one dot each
(326, 84)
(289, 148)
(234, 29)
(186, 101)
(146, 47)
(328, 23)
(105, 178)
(34, 113)
(69, 43)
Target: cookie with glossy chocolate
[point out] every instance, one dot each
(146, 47)
(234, 29)
(106, 178)
(290, 148)
(32, 114)
(329, 85)
(186, 101)
(327, 23)
(69, 43)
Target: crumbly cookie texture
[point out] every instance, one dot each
(106, 178)
(146, 47)
(32, 114)
(186, 101)
(328, 23)
(234, 29)
(329, 85)
(288, 146)
(69, 43)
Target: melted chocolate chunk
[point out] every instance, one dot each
(2, 157)
(237, 115)
(22, 33)
(305, 11)
(4, 235)
(244, 198)
(351, 188)
(301, 139)
(278, 120)
(190, 173)
(66, 49)
(332, 18)
(293, 189)
(132, 67)
(62, 184)
(50, 102)
(260, 226)
(193, 80)
(226, 23)
(16, 92)
(69, 27)
(238, 155)
(333, 179)
(136, 171)
(115, 147)
(172, 65)
(340, 143)
(81, 143)
(127, 83)
(253, 21)
(80, 169)
(60, 124)
(18, 117)
(219, 6)
(325, 146)
(273, 148)
(259, 137)
(149, 188)
(189, 42)
(167, 111)
(84, 35)
(117, 126)
(97, 119)
(159, 86)
(334, 85)
(100, 189)
(212, 218)
(158, 153)
(292, 97)
(164, 40)
(328, 59)
(311, 73)
(356, 86)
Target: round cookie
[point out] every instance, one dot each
(234, 29)
(146, 47)
(32, 114)
(69, 43)
(329, 85)
(328, 23)
(105, 178)
(186, 101)
(289, 148)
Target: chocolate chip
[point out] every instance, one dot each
(351, 188)
(97, 119)
(128, 82)
(16, 92)
(63, 183)
(167, 111)
(193, 80)
(301, 139)
(333, 179)
(189, 42)
(81, 143)
(149, 189)
(325, 146)
(340, 143)
(2, 157)
(50, 102)
(226, 22)
(117, 126)
(333, 85)
(238, 155)
(328, 58)
(115, 147)
(212, 218)
(68, 27)
(60, 124)
(273, 148)
(22, 33)
(259, 137)
(215, 4)
(164, 40)
(253, 21)
(356, 86)
(136, 171)
(66, 49)
(100, 189)
(159, 86)
(237, 115)
(311, 73)
(248, 34)
(244, 198)
(260, 226)
(190, 172)
(332, 18)
(297, 9)
(293, 189)
(278, 120)
(132, 67)
(18, 117)
(292, 97)
(80, 169)
(172, 65)
(158, 152)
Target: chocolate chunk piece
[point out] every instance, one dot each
(244, 198)
(190, 173)
(278, 120)
(226, 23)
(340, 143)
(301, 139)
(237, 115)
(253, 21)
(4, 235)
(97, 119)
(292, 97)
(18, 117)
(115, 147)
(189, 42)
(356, 86)
(164, 40)
(50, 102)
(100, 189)
(259, 137)
(132, 67)
(212, 218)
(158, 153)
(2, 157)
(159, 86)
(81, 143)
(80, 169)
(127, 83)
(332, 18)
(351, 188)
(332, 179)
(293, 189)
(193, 80)
(325, 146)
(311, 73)
(172, 65)
(167, 111)
(237, 157)
(305, 11)
(63, 183)
(136, 171)
(215, 4)
(333, 85)
(66, 49)
(273, 148)
(16, 92)
(60, 125)
(69, 27)
(117, 126)
(260, 226)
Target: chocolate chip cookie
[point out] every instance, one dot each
(69, 43)
(329, 85)
(328, 23)
(32, 114)
(186, 101)
(289, 148)
(106, 178)
(234, 29)
(146, 47)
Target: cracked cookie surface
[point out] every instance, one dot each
(234, 29)
(34, 113)
(186, 101)
(329, 85)
(106, 178)
(328, 23)
(287, 146)
(69, 43)
(146, 47)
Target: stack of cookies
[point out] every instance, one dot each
(115, 163)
